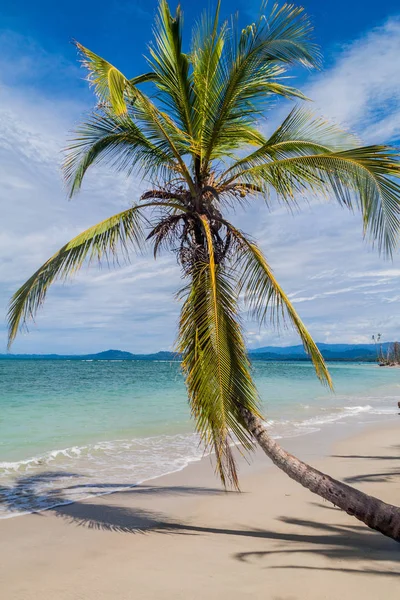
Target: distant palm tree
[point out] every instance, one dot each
(377, 341)
(191, 139)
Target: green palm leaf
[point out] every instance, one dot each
(358, 178)
(250, 68)
(215, 362)
(301, 133)
(121, 94)
(265, 297)
(109, 83)
(171, 66)
(103, 240)
(119, 142)
(206, 52)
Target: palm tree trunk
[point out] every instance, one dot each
(371, 511)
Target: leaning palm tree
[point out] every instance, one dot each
(193, 136)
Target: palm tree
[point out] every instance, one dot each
(194, 137)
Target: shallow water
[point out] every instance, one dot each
(70, 429)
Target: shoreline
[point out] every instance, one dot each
(204, 542)
(325, 436)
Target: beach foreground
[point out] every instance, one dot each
(181, 536)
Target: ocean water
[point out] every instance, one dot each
(72, 429)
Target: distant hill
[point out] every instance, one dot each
(106, 355)
(331, 352)
(341, 352)
(112, 355)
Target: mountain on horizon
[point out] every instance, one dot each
(105, 355)
(113, 355)
(342, 352)
(339, 352)
(298, 348)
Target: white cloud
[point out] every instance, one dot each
(362, 88)
(386, 273)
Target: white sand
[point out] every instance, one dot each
(275, 540)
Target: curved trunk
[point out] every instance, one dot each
(371, 511)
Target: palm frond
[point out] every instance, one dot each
(110, 84)
(250, 69)
(121, 94)
(104, 240)
(120, 143)
(206, 52)
(215, 362)
(304, 125)
(361, 178)
(162, 130)
(171, 66)
(284, 35)
(301, 133)
(266, 299)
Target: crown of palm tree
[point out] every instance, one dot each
(196, 139)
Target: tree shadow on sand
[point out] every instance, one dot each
(39, 492)
(292, 536)
(366, 457)
(333, 541)
(381, 476)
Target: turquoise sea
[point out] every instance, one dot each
(70, 429)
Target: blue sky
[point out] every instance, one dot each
(341, 288)
(121, 29)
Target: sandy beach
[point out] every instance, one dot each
(181, 536)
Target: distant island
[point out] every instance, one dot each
(330, 352)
